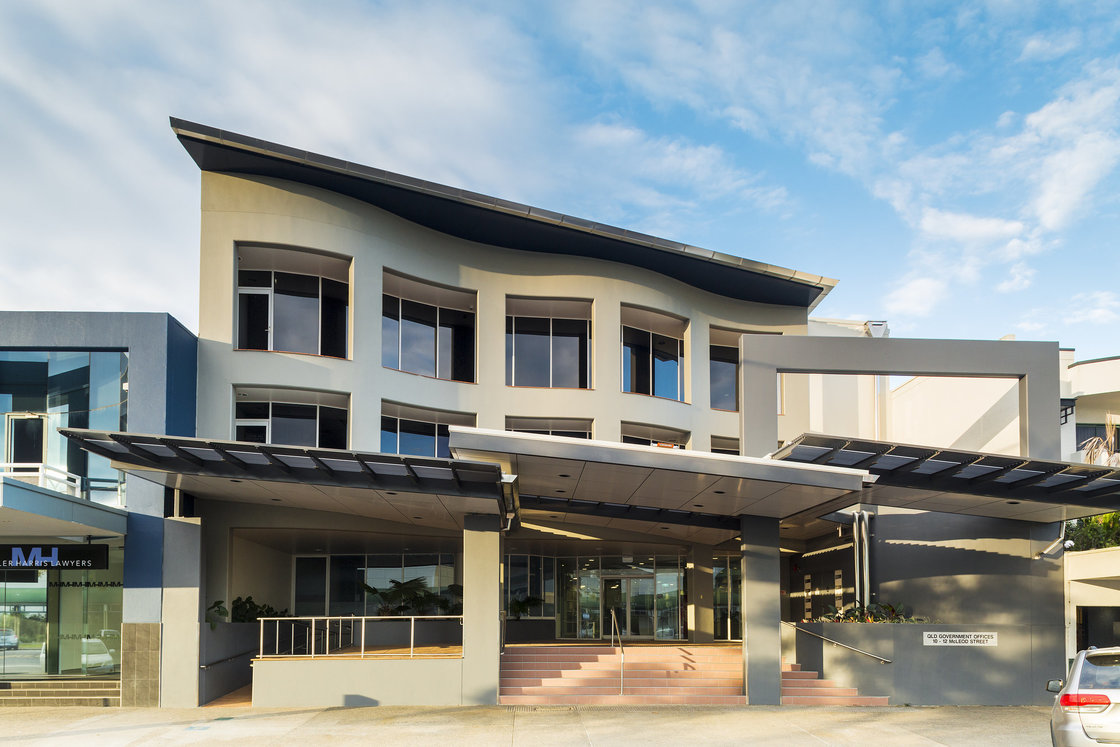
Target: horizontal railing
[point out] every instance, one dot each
(43, 476)
(837, 643)
(362, 637)
(96, 489)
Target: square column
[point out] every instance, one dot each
(701, 619)
(762, 612)
(482, 606)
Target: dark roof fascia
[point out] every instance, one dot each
(1067, 476)
(491, 220)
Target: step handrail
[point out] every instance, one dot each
(621, 652)
(837, 643)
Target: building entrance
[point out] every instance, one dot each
(632, 601)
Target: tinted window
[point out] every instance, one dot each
(636, 360)
(1101, 671)
(531, 351)
(295, 313)
(293, 424)
(723, 371)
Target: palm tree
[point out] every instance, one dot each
(1095, 532)
(403, 597)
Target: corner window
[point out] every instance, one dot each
(724, 445)
(723, 370)
(654, 435)
(548, 343)
(418, 431)
(566, 427)
(652, 353)
(292, 418)
(427, 330)
(291, 301)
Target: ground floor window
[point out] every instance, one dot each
(403, 584)
(727, 580)
(61, 622)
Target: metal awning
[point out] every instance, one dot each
(410, 490)
(27, 510)
(965, 482)
(677, 494)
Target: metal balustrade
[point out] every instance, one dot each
(358, 637)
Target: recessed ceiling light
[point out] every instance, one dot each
(698, 505)
(564, 475)
(235, 481)
(1013, 503)
(276, 499)
(665, 529)
(561, 490)
(390, 493)
(719, 492)
(418, 517)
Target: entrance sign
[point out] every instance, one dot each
(960, 639)
(56, 557)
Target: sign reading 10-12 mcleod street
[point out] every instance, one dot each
(959, 639)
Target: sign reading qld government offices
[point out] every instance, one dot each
(930, 638)
(55, 557)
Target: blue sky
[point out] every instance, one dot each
(954, 165)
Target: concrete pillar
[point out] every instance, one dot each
(762, 645)
(482, 604)
(182, 610)
(701, 619)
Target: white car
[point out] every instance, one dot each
(96, 658)
(8, 639)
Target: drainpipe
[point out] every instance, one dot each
(857, 565)
(865, 549)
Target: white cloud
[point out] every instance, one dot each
(916, 297)
(1020, 278)
(1093, 307)
(968, 229)
(1042, 48)
(934, 65)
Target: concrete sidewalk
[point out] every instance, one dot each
(527, 725)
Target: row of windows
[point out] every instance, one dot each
(325, 426)
(305, 314)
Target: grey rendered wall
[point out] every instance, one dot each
(1013, 672)
(357, 682)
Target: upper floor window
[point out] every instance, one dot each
(724, 445)
(292, 301)
(654, 435)
(723, 369)
(548, 343)
(652, 353)
(418, 431)
(290, 417)
(427, 329)
(566, 427)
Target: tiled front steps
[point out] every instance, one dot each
(60, 693)
(805, 688)
(655, 675)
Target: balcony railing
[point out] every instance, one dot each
(104, 490)
(416, 636)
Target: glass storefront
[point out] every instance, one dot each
(727, 577)
(407, 583)
(42, 391)
(62, 622)
(645, 592)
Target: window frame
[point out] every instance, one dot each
(511, 351)
(437, 333)
(249, 422)
(270, 293)
(652, 383)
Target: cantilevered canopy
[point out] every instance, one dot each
(27, 510)
(490, 220)
(410, 490)
(965, 482)
(677, 494)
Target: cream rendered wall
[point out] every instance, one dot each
(259, 572)
(973, 414)
(259, 210)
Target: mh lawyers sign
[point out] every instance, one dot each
(55, 557)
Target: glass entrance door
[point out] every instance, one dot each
(632, 601)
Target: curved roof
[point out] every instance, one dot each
(491, 220)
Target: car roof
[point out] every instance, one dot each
(1108, 650)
